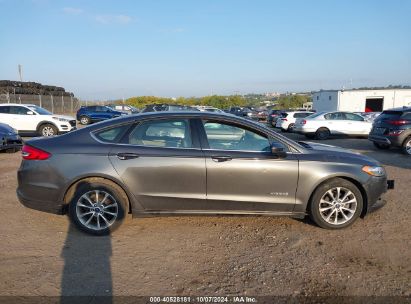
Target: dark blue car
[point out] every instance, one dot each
(90, 114)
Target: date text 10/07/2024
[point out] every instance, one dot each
(203, 299)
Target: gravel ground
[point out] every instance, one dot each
(42, 254)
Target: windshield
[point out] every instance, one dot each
(39, 110)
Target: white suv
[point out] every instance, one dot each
(286, 121)
(30, 119)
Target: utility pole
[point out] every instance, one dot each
(21, 72)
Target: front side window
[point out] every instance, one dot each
(222, 136)
(165, 133)
(351, 116)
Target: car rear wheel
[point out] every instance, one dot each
(322, 133)
(48, 130)
(98, 208)
(406, 146)
(84, 120)
(381, 146)
(290, 127)
(336, 204)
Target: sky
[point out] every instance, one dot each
(108, 49)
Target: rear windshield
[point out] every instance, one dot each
(284, 114)
(389, 115)
(302, 115)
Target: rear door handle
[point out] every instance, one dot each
(220, 159)
(125, 156)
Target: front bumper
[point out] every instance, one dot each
(11, 142)
(375, 188)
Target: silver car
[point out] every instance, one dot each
(194, 163)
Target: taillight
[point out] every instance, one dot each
(273, 115)
(303, 122)
(284, 119)
(398, 122)
(31, 153)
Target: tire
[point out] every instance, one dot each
(98, 207)
(322, 133)
(48, 130)
(406, 146)
(290, 127)
(84, 120)
(381, 146)
(332, 214)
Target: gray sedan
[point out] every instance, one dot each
(194, 163)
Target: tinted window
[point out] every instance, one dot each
(386, 115)
(335, 116)
(223, 136)
(101, 109)
(5, 109)
(18, 110)
(170, 133)
(39, 110)
(112, 135)
(301, 115)
(351, 116)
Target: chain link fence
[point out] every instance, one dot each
(52, 103)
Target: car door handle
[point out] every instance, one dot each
(125, 156)
(220, 159)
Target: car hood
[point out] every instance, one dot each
(333, 153)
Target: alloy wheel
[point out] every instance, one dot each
(97, 209)
(408, 147)
(338, 205)
(48, 131)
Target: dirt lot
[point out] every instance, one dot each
(42, 254)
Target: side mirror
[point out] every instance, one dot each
(30, 113)
(278, 150)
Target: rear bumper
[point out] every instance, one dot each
(44, 206)
(386, 140)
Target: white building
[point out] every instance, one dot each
(361, 100)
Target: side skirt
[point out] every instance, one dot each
(152, 213)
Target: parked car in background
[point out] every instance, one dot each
(208, 109)
(124, 108)
(286, 121)
(194, 163)
(10, 141)
(324, 124)
(89, 114)
(243, 112)
(167, 107)
(393, 129)
(262, 114)
(273, 115)
(30, 120)
(369, 116)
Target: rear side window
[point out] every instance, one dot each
(112, 135)
(165, 133)
(386, 115)
(335, 116)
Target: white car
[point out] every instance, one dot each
(286, 121)
(324, 124)
(30, 119)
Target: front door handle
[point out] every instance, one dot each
(124, 156)
(219, 159)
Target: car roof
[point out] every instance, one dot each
(18, 104)
(399, 109)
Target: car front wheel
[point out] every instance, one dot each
(48, 130)
(98, 208)
(336, 204)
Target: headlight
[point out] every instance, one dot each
(374, 170)
(61, 119)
